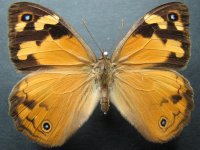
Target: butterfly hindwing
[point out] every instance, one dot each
(39, 38)
(157, 102)
(49, 106)
(159, 39)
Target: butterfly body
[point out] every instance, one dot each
(65, 81)
(104, 78)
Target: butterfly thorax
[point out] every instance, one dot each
(104, 71)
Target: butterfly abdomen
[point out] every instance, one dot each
(105, 103)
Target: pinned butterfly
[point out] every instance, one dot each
(65, 81)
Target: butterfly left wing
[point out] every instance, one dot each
(41, 39)
(49, 106)
(147, 92)
(60, 92)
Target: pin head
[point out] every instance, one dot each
(105, 53)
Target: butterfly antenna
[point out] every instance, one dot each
(118, 35)
(91, 35)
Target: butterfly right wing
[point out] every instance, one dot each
(157, 103)
(159, 39)
(146, 91)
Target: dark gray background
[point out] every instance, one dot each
(111, 131)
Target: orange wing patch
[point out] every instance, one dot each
(61, 52)
(149, 51)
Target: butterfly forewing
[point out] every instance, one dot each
(157, 39)
(39, 38)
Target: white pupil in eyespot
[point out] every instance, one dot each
(27, 17)
(173, 17)
(46, 126)
(163, 122)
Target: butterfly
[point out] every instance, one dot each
(65, 81)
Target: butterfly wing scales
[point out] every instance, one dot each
(46, 41)
(145, 97)
(156, 41)
(155, 100)
(59, 95)
(40, 97)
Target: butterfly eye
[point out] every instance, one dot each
(173, 17)
(26, 17)
(46, 126)
(163, 122)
